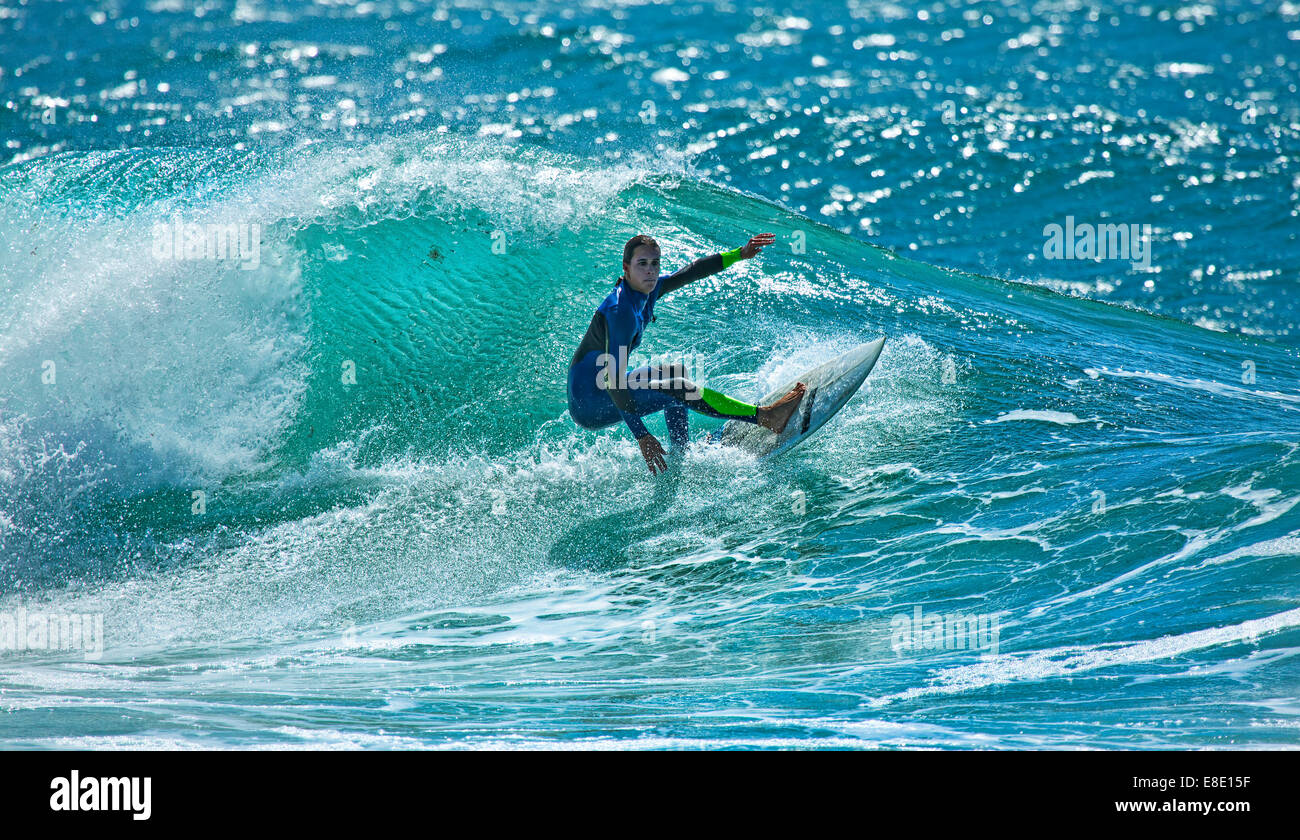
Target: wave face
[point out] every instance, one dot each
(437, 552)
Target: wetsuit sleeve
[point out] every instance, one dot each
(618, 339)
(701, 268)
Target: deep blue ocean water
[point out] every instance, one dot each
(329, 495)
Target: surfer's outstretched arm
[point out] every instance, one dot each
(712, 264)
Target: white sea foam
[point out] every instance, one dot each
(1061, 418)
(1065, 662)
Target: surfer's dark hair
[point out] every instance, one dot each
(635, 242)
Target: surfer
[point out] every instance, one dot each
(601, 391)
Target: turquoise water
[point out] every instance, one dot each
(403, 539)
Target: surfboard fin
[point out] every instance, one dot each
(807, 411)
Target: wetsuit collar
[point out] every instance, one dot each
(633, 296)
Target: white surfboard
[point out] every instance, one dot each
(829, 387)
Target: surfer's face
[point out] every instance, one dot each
(643, 272)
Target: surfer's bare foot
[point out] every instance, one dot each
(776, 415)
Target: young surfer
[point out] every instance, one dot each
(601, 391)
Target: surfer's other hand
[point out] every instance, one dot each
(653, 453)
(756, 244)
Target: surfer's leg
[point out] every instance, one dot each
(590, 408)
(671, 380)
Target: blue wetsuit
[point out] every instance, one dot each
(597, 398)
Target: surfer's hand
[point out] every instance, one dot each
(756, 244)
(653, 453)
